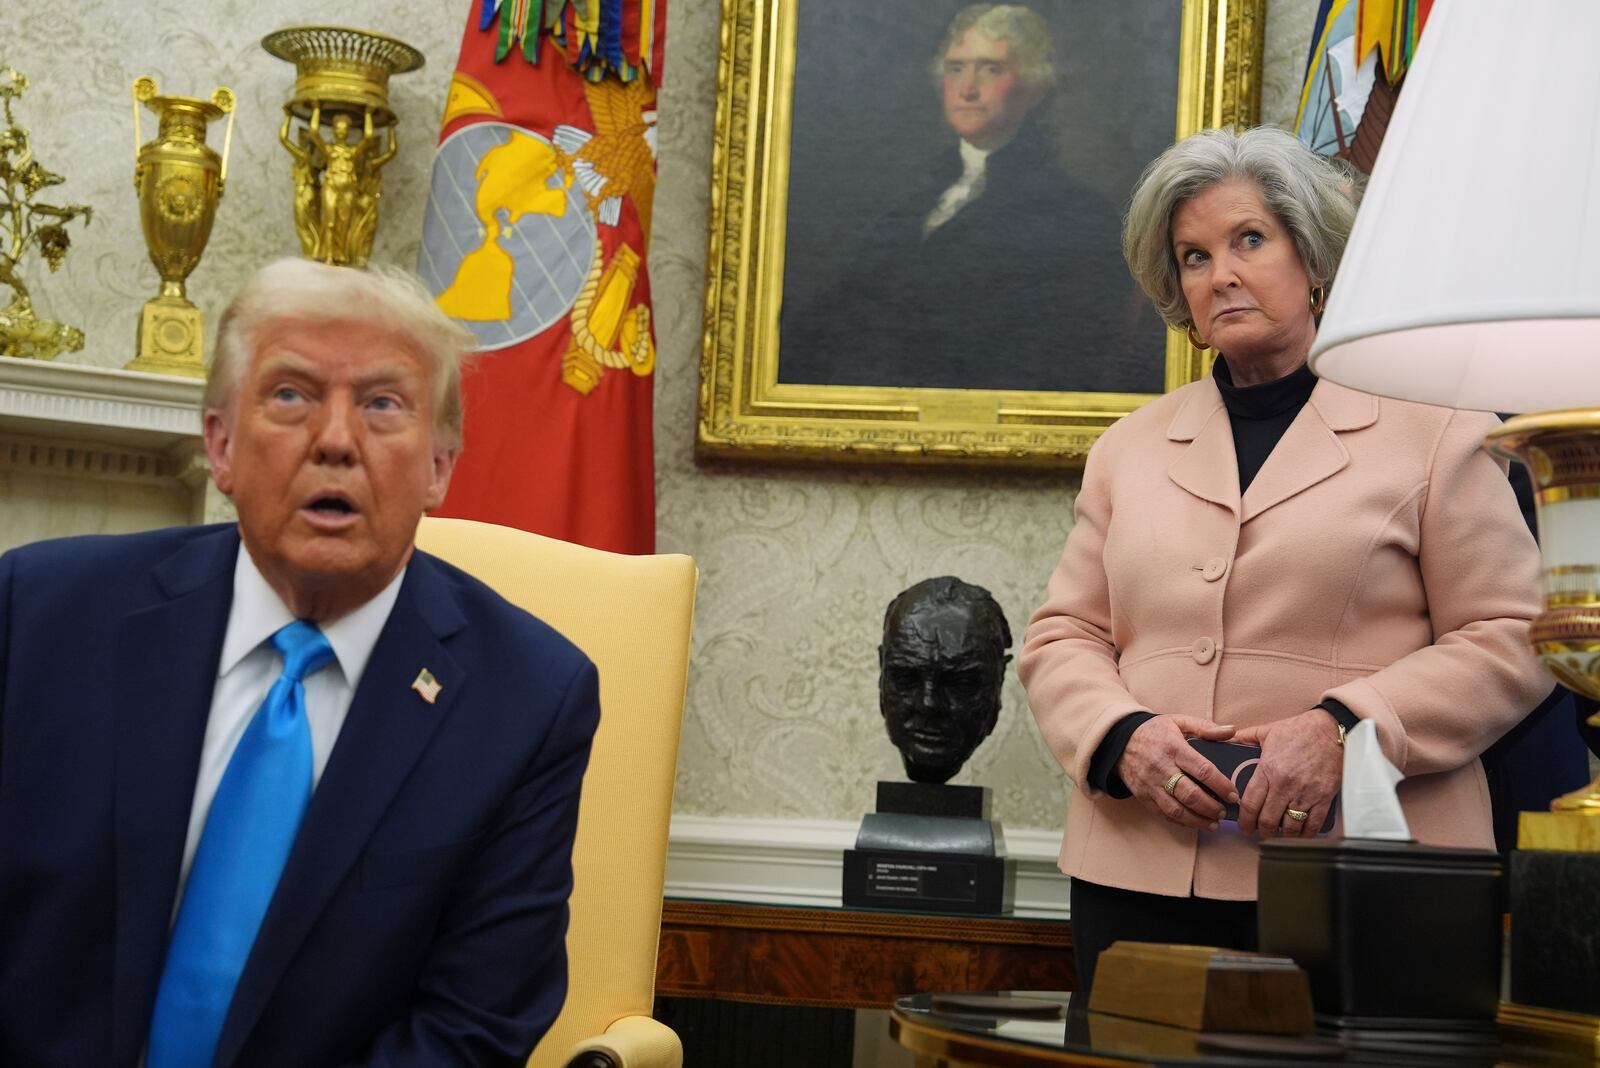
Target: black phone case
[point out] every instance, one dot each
(1238, 763)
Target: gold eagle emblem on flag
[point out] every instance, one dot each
(616, 160)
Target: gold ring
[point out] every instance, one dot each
(1172, 783)
(1296, 815)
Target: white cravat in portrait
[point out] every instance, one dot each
(967, 188)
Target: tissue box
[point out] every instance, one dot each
(1393, 935)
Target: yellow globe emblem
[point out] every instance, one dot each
(506, 241)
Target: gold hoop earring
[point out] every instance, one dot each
(1194, 339)
(1319, 298)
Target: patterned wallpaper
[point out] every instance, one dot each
(797, 564)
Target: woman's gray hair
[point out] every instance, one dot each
(1313, 196)
(300, 291)
(1020, 27)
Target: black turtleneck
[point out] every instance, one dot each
(1259, 415)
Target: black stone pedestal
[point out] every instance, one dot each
(932, 799)
(1555, 930)
(928, 882)
(930, 848)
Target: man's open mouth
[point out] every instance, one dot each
(331, 509)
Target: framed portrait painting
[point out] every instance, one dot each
(915, 249)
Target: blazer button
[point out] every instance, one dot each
(1215, 568)
(1204, 649)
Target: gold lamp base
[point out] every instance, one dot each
(170, 338)
(1585, 802)
(1572, 1033)
(1562, 451)
(1558, 832)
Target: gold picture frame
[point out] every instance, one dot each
(746, 412)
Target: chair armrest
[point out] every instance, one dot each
(631, 1042)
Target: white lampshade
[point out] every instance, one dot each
(1472, 278)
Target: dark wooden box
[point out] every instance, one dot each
(1394, 935)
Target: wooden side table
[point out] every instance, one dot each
(837, 958)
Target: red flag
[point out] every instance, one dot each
(535, 239)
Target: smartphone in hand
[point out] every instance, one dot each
(1238, 763)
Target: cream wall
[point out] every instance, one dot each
(797, 564)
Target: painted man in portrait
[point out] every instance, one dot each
(996, 270)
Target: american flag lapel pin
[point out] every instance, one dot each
(427, 686)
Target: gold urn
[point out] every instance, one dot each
(347, 133)
(179, 179)
(1562, 451)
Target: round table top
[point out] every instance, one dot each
(1025, 1028)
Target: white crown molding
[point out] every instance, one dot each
(801, 862)
(97, 461)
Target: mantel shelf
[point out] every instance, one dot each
(99, 450)
(42, 399)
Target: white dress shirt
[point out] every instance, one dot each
(250, 665)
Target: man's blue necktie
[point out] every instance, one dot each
(248, 833)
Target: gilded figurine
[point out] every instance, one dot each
(26, 222)
(307, 217)
(341, 75)
(337, 186)
(364, 222)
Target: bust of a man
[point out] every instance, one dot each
(942, 661)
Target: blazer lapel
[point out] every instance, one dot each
(1208, 468)
(1310, 450)
(385, 732)
(167, 668)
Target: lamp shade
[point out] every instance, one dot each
(1472, 277)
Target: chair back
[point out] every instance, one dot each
(632, 615)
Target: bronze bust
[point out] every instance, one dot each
(942, 661)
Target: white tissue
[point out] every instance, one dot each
(1371, 809)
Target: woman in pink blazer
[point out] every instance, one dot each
(1266, 558)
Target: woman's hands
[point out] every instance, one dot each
(1157, 749)
(1301, 765)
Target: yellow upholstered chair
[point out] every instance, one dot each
(632, 616)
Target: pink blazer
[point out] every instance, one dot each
(1378, 558)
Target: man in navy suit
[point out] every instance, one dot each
(416, 913)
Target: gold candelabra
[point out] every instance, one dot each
(26, 222)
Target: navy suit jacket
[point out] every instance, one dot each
(421, 915)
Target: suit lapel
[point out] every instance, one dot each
(1310, 450)
(1208, 468)
(167, 668)
(385, 732)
